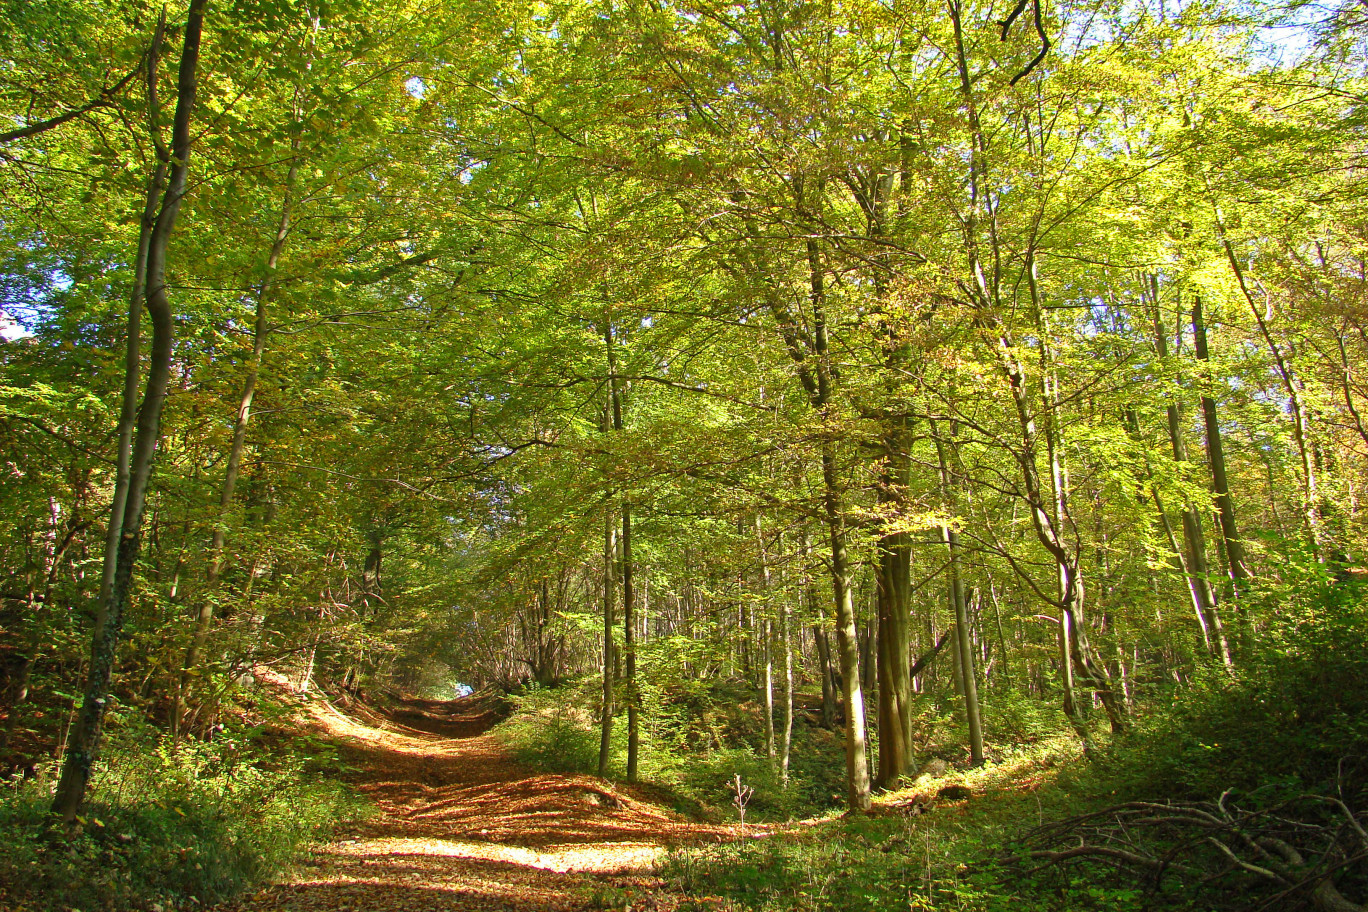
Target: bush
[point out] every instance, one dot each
(1293, 718)
(162, 828)
(553, 729)
(694, 740)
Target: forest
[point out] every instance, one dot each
(683, 455)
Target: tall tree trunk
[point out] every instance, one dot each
(894, 641)
(83, 744)
(128, 412)
(963, 637)
(1200, 578)
(786, 745)
(1220, 484)
(629, 647)
(628, 592)
(1311, 507)
(767, 645)
(609, 658)
(985, 286)
(771, 749)
(204, 619)
(847, 642)
(818, 376)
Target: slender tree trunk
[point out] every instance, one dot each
(828, 684)
(609, 660)
(1220, 485)
(847, 643)
(767, 645)
(771, 748)
(83, 744)
(629, 647)
(628, 591)
(1311, 507)
(128, 413)
(1002, 636)
(204, 618)
(306, 678)
(963, 637)
(1200, 578)
(981, 217)
(786, 746)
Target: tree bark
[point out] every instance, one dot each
(128, 413)
(963, 639)
(786, 745)
(894, 640)
(767, 646)
(628, 592)
(1225, 504)
(83, 744)
(1200, 578)
(847, 642)
(609, 658)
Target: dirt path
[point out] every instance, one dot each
(461, 827)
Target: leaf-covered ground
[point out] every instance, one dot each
(461, 827)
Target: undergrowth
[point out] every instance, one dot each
(1292, 720)
(168, 829)
(696, 738)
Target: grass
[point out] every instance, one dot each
(693, 744)
(167, 829)
(934, 858)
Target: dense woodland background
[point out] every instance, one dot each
(869, 382)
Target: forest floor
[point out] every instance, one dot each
(459, 826)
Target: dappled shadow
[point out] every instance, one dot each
(461, 825)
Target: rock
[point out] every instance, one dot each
(936, 767)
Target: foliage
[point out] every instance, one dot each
(553, 729)
(688, 752)
(172, 827)
(1291, 721)
(799, 288)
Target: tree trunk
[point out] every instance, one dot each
(609, 660)
(828, 683)
(766, 646)
(1200, 578)
(963, 638)
(847, 643)
(629, 647)
(894, 642)
(786, 745)
(1311, 512)
(1220, 485)
(84, 740)
(128, 413)
(628, 595)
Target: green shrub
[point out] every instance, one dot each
(195, 826)
(694, 741)
(553, 729)
(1292, 718)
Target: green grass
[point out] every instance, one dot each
(170, 829)
(1293, 720)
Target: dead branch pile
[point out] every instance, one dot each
(1290, 854)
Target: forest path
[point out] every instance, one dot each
(461, 827)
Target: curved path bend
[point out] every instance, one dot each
(461, 827)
